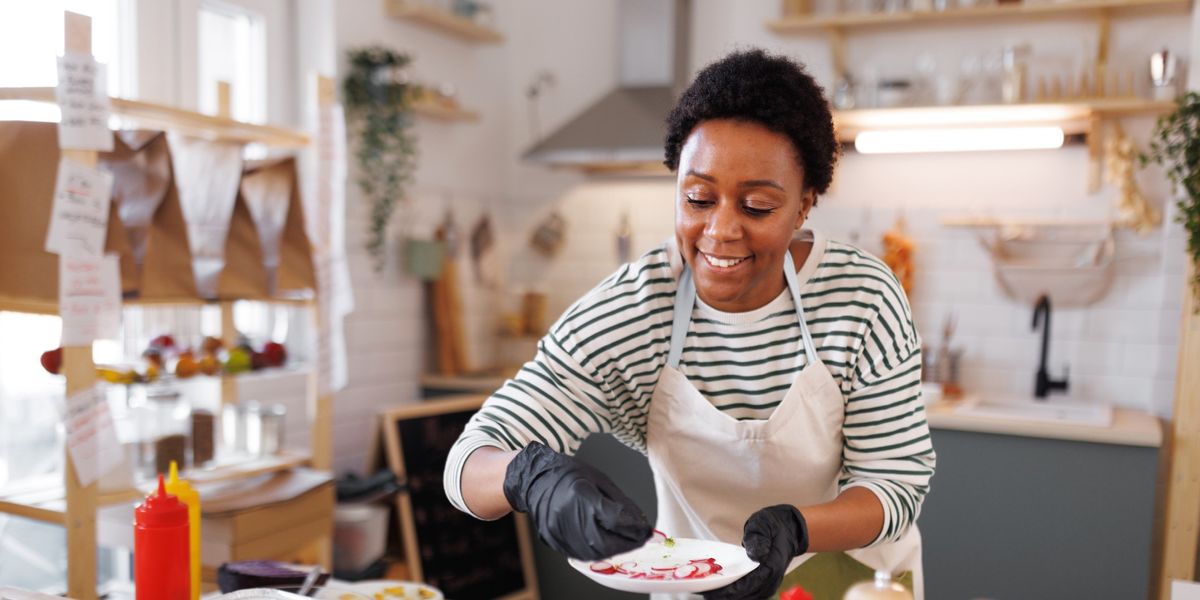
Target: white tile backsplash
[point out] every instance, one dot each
(1115, 349)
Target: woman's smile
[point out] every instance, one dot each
(724, 264)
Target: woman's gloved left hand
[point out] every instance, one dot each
(773, 536)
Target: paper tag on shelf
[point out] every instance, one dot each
(89, 298)
(79, 217)
(82, 97)
(91, 435)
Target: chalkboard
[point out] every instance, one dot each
(466, 558)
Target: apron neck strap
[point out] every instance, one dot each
(685, 301)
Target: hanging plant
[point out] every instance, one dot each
(1176, 145)
(378, 100)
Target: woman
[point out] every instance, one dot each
(771, 376)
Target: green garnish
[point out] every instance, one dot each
(669, 542)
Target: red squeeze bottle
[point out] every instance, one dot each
(160, 548)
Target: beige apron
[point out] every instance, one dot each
(711, 471)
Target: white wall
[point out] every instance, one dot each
(459, 167)
(1120, 351)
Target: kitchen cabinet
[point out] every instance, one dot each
(1020, 517)
(1008, 516)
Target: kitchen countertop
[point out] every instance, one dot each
(1129, 427)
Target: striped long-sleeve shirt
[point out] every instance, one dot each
(596, 370)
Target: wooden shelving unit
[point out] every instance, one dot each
(837, 25)
(1074, 117)
(442, 20)
(792, 24)
(61, 498)
(149, 114)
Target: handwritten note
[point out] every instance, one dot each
(326, 208)
(82, 97)
(89, 298)
(79, 217)
(91, 436)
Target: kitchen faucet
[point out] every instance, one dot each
(1044, 384)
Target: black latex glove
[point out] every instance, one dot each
(575, 509)
(773, 536)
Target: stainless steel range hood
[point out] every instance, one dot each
(624, 130)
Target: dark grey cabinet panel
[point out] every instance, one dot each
(1019, 518)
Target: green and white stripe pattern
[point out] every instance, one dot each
(596, 370)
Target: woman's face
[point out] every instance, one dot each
(740, 197)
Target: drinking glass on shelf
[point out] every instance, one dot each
(970, 70)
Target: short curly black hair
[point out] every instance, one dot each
(773, 91)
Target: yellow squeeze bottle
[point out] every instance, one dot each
(183, 490)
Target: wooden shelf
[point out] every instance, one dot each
(149, 114)
(1073, 117)
(808, 23)
(51, 308)
(41, 498)
(477, 383)
(437, 111)
(443, 21)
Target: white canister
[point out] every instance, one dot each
(883, 588)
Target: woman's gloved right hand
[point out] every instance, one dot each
(576, 509)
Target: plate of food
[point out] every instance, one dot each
(670, 565)
(397, 590)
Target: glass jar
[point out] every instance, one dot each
(893, 93)
(253, 429)
(163, 425)
(265, 429)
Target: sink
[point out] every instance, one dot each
(1049, 411)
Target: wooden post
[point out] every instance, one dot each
(1095, 142)
(1102, 39)
(837, 46)
(229, 337)
(229, 332)
(1183, 483)
(224, 99)
(81, 375)
(322, 427)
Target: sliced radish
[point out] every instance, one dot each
(685, 572)
(603, 567)
(658, 537)
(703, 568)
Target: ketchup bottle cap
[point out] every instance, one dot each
(161, 509)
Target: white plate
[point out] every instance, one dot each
(733, 560)
(411, 590)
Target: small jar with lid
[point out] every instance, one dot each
(163, 424)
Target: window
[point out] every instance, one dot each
(233, 49)
(35, 30)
